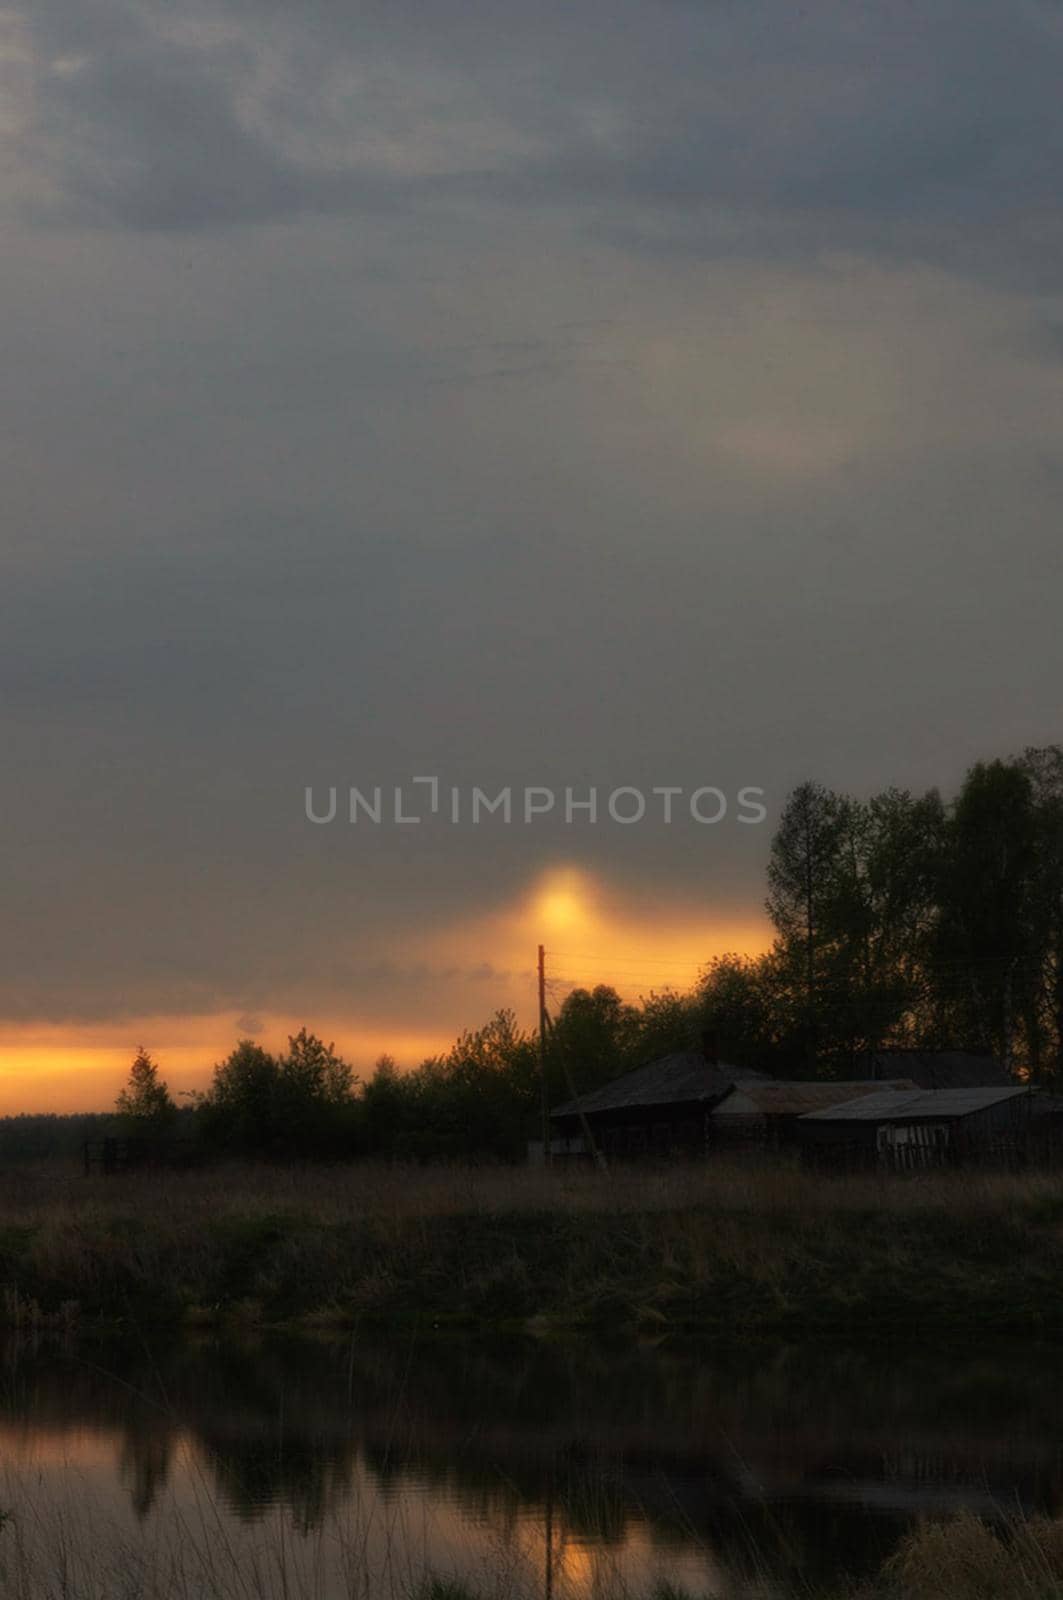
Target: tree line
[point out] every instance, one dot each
(481, 1100)
(904, 921)
(901, 921)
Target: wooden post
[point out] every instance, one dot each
(592, 1144)
(544, 1097)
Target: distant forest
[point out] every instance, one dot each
(901, 921)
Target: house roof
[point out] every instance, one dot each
(685, 1078)
(917, 1106)
(938, 1069)
(797, 1099)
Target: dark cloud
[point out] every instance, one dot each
(639, 394)
(820, 123)
(146, 132)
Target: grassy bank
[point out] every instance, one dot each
(729, 1250)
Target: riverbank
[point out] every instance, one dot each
(735, 1252)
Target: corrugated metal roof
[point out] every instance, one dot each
(897, 1106)
(938, 1069)
(684, 1078)
(796, 1099)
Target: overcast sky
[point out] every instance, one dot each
(649, 394)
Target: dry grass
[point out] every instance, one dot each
(195, 1552)
(767, 1248)
(339, 1193)
(966, 1560)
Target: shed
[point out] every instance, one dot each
(767, 1113)
(657, 1109)
(918, 1128)
(1046, 1126)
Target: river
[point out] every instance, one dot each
(360, 1465)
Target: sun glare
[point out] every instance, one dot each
(563, 903)
(593, 934)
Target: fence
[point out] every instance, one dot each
(137, 1152)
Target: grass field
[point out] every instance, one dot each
(735, 1250)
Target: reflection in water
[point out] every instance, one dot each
(562, 1465)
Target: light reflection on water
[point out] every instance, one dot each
(354, 1466)
(72, 1498)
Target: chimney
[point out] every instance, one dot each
(710, 1046)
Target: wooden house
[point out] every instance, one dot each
(659, 1109)
(1046, 1128)
(919, 1128)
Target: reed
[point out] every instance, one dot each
(50, 1556)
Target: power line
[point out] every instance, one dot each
(639, 961)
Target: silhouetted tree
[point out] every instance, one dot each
(315, 1097)
(803, 881)
(303, 1103)
(144, 1104)
(385, 1108)
(1044, 1021)
(985, 953)
(596, 1036)
(665, 1021)
(241, 1110)
(744, 1001)
(905, 851)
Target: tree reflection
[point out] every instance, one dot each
(784, 1460)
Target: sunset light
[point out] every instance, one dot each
(593, 933)
(531, 949)
(563, 904)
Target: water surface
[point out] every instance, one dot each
(354, 1465)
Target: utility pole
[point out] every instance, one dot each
(543, 1092)
(544, 1027)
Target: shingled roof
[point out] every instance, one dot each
(685, 1078)
(937, 1069)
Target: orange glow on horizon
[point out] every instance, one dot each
(63, 1067)
(592, 934)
